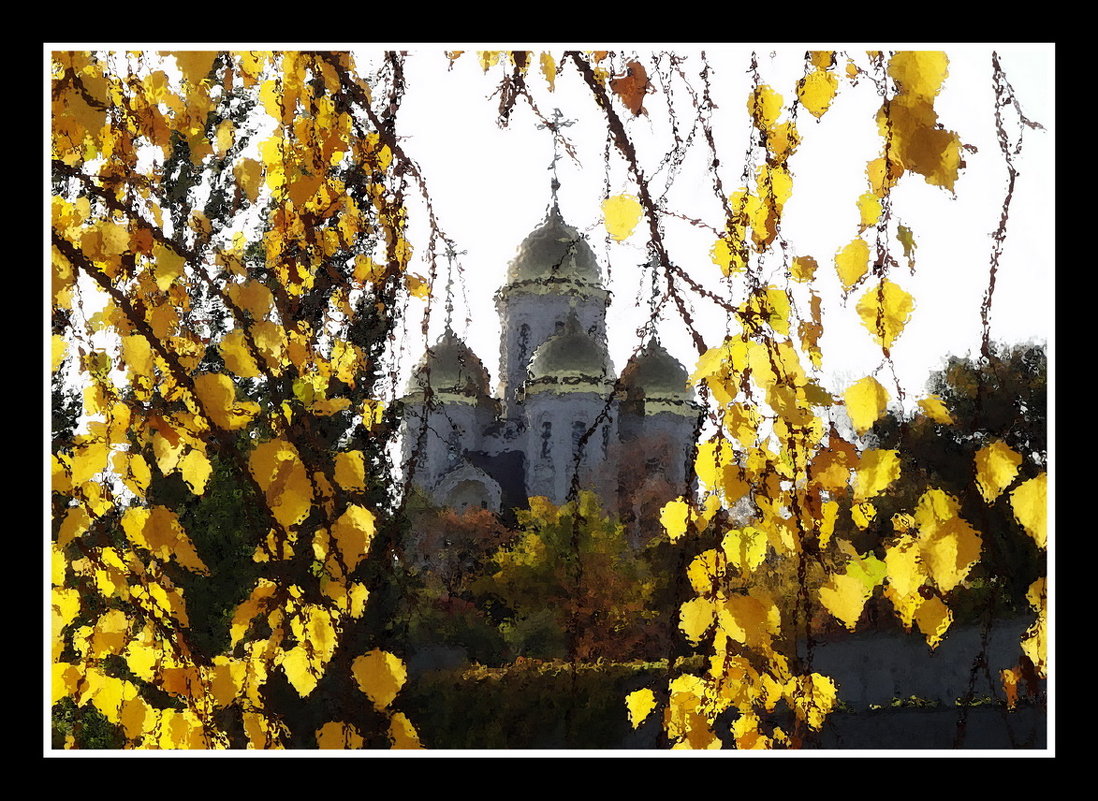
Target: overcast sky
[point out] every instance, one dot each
(490, 187)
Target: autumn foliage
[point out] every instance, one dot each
(239, 216)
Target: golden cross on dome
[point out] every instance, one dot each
(555, 125)
(451, 253)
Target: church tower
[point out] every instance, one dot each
(554, 274)
(554, 423)
(447, 409)
(570, 414)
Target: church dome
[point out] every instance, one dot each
(554, 250)
(451, 367)
(657, 373)
(571, 357)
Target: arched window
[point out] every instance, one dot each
(546, 439)
(524, 343)
(578, 429)
(453, 446)
(605, 441)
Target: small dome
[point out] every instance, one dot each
(554, 250)
(572, 356)
(657, 374)
(454, 369)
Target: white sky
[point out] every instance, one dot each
(490, 187)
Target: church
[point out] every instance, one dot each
(560, 417)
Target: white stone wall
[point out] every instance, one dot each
(550, 461)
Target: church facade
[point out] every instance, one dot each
(561, 417)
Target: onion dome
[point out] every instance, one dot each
(656, 378)
(554, 250)
(572, 359)
(452, 370)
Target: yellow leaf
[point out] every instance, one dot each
(621, 214)
(350, 470)
(338, 735)
(278, 469)
(907, 239)
(249, 174)
(764, 105)
(934, 619)
(919, 72)
(247, 610)
(195, 64)
(353, 532)
(270, 338)
(902, 565)
(217, 394)
(885, 310)
(1035, 640)
(488, 58)
(749, 619)
(195, 469)
(852, 262)
(223, 137)
(869, 209)
(168, 266)
(844, 597)
(301, 671)
(674, 516)
(878, 179)
(234, 350)
(89, 459)
(76, 522)
(549, 70)
(59, 350)
(876, 470)
(712, 458)
(706, 572)
(379, 675)
(817, 90)
(1029, 501)
(326, 407)
(918, 143)
(829, 514)
(996, 466)
(783, 141)
(640, 704)
(804, 268)
(320, 633)
(935, 508)
(695, 618)
(862, 514)
(745, 548)
(950, 552)
(417, 285)
(865, 403)
(814, 698)
(935, 408)
(402, 734)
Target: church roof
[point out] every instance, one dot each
(573, 357)
(657, 372)
(554, 250)
(452, 368)
(656, 377)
